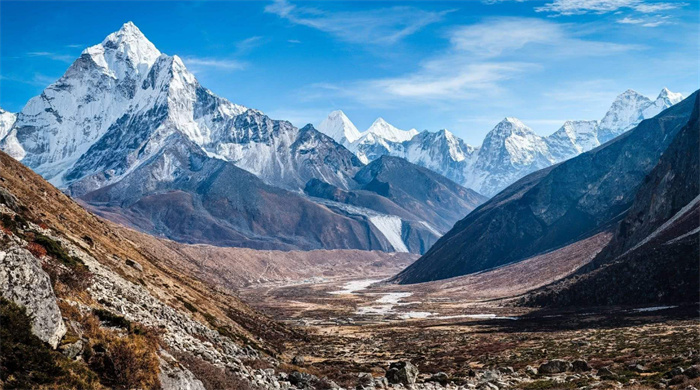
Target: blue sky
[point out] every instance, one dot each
(429, 65)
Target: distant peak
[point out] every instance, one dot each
(337, 114)
(339, 127)
(631, 93)
(513, 121)
(380, 121)
(673, 97)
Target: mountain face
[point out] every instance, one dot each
(7, 119)
(183, 194)
(510, 151)
(655, 243)
(132, 133)
(572, 139)
(411, 204)
(554, 206)
(339, 127)
(630, 108)
(116, 104)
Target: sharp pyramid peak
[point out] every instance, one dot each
(126, 43)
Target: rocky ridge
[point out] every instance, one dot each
(509, 151)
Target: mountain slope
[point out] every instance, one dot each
(7, 119)
(430, 196)
(653, 257)
(554, 206)
(415, 204)
(113, 293)
(185, 195)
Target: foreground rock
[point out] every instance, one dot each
(555, 367)
(24, 282)
(403, 373)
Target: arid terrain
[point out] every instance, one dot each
(474, 324)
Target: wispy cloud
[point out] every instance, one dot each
(248, 44)
(379, 26)
(645, 22)
(52, 56)
(37, 79)
(580, 7)
(480, 59)
(197, 64)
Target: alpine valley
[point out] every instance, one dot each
(154, 235)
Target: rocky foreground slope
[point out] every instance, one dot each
(554, 206)
(105, 305)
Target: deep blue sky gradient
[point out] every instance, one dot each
(323, 56)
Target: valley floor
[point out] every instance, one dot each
(464, 327)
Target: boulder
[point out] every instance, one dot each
(402, 373)
(555, 366)
(674, 372)
(580, 366)
(135, 265)
(24, 282)
(440, 378)
(490, 376)
(693, 372)
(365, 380)
(72, 350)
(506, 370)
(302, 380)
(381, 383)
(175, 377)
(605, 373)
(487, 386)
(8, 199)
(298, 360)
(531, 371)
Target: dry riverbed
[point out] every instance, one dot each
(360, 325)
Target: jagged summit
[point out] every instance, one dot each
(385, 130)
(672, 97)
(122, 50)
(339, 127)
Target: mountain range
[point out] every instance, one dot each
(624, 180)
(131, 132)
(509, 151)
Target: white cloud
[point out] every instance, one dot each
(651, 8)
(249, 44)
(628, 20)
(196, 64)
(579, 7)
(379, 26)
(52, 56)
(481, 58)
(645, 22)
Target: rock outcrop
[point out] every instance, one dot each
(24, 282)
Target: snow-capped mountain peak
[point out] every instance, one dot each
(383, 129)
(339, 127)
(630, 108)
(572, 139)
(670, 97)
(7, 119)
(123, 50)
